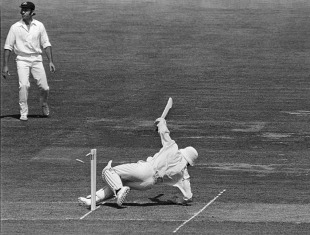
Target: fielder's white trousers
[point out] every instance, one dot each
(25, 65)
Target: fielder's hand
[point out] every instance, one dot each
(5, 72)
(52, 67)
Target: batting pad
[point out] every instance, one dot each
(112, 179)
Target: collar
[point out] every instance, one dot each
(22, 23)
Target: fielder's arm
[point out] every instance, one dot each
(49, 54)
(6, 57)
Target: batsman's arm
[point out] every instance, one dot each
(185, 187)
(163, 131)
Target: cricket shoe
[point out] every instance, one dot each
(121, 195)
(86, 201)
(23, 118)
(83, 201)
(45, 110)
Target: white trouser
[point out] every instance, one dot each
(138, 176)
(32, 64)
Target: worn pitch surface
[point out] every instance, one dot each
(239, 77)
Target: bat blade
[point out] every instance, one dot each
(167, 108)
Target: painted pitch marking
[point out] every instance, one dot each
(209, 203)
(102, 203)
(89, 213)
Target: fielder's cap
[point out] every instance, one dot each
(190, 154)
(27, 5)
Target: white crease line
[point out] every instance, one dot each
(199, 211)
(96, 219)
(89, 213)
(60, 202)
(102, 203)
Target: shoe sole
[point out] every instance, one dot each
(122, 199)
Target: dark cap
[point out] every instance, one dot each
(27, 5)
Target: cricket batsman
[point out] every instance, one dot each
(168, 167)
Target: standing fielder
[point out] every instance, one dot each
(168, 166)
(26, 37)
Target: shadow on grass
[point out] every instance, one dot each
(155, 202)
(135, 204)
(17, 116)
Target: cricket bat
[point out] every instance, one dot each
(167, 108)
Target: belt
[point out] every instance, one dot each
(28, 55)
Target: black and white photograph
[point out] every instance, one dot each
(155, 117)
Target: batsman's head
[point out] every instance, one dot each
(190, 154)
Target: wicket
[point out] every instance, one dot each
(93, 171)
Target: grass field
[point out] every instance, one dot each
(238, 72)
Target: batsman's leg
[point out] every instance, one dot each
(102, 194)
(112, 178)
(114, 181)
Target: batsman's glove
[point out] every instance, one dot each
(159, 121)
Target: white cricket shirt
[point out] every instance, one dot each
(26, 42)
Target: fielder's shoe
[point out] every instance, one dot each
(23, 118)
(121, 195)
(45, 110)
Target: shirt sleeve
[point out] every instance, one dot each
(10, 40)
(164, 134)
(181, 181)
(44, 38)
(185, 186)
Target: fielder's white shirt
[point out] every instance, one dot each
(26, 42)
